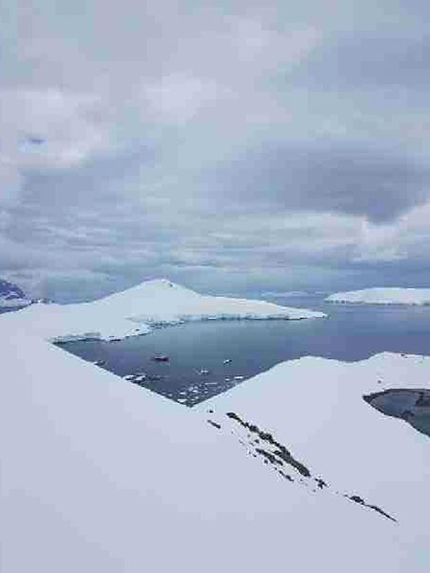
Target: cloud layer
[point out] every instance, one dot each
(231, 147)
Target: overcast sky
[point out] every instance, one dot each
(229, 146)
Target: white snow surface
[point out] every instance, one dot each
(383, 295)
(133, 311)
(101, 475)
(315, 407)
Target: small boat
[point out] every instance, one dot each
(227, 361)
(203, 372)
(160, 358)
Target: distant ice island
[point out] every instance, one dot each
(138, 309)
(384, 295)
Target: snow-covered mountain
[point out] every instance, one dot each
(137, 309)
(383, 295)
(11, 296)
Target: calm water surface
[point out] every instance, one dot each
(349, 333)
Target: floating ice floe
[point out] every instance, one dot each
(160, 358)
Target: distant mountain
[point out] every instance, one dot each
(12, 296)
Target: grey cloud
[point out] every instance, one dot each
(96, 182)
(202, 133)
(369, 61)
(347, 179)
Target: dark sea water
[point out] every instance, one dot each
(350, 333)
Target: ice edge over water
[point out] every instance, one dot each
(138, 310)
(383, 295)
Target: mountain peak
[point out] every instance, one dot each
(10, 290)
(11, 295)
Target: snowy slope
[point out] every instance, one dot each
(11, 296)
(290, 470)
(383, 296)
(315, 408)
(132, 312)
(100, 475)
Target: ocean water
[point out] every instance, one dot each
(198, 351)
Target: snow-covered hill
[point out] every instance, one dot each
(100, 475)
(135, 310)
(315, 408)
(11, 296)
(413, 296)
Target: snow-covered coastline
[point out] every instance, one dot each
(383, 295)
(136, 310)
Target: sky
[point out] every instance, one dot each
(229, 146)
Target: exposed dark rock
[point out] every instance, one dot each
(280, 455)
(268, 456)
(424, 399)
(360, 501)
(287, 457)
(381, 511)
(413, 400)
(281, 451)
(321, 483)
(286, 476)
